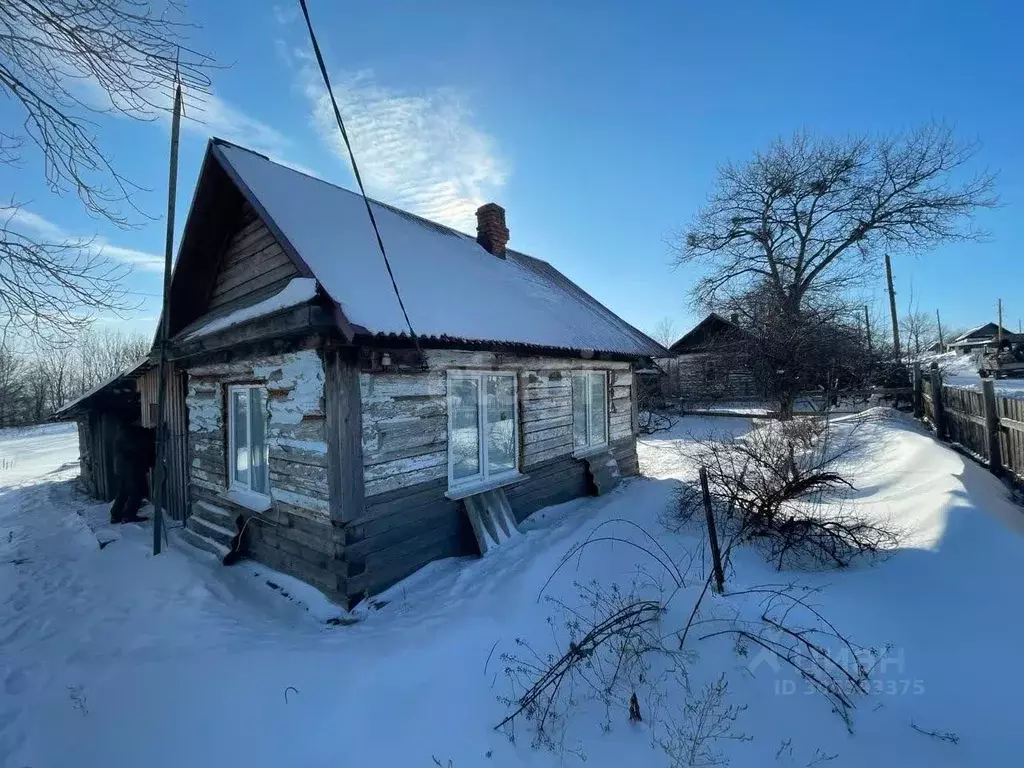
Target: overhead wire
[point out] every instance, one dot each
(355, 170)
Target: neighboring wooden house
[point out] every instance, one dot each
(351, 448)
(982, 337)
(99, 413)
(709, 362)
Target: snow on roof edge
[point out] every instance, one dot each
(298, 291)
(617, 331)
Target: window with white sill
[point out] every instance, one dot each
(247, 440)
(589, 410)
(483, 436)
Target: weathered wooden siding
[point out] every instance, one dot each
(405, 415)
(252, 266)
(404, 529)
(407, 521)
(706, 376)
(97, 431)
(296, 535)
(177, 432)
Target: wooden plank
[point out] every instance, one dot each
(278, 276)
(550, 453)
(546, 434)
(547, 448)
(545, 413)
(345, 478)
(541, 425)
(260, 263)
(435, 520)
(395, 481)
(387, 386)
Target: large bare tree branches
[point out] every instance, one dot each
(50, 289)
(813, 214)
(67, 61)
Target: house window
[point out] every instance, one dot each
(482, 428)
(589, 410)
(247, 439)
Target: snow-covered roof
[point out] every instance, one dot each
(298, 291)
(975, 335)
(65, 410)
(452, 287)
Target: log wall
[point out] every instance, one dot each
(706, 377)
(407, 520)
(252, 266)
(296, 535)
(405, 414)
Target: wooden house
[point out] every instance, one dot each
(128, 397)
(983, 337)
(361, 417)
(99, 413)
(709, 362)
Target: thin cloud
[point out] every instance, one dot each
(421, 151)
(285, 15)
(39, 226)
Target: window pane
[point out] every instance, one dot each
(464, 440)
(501, 424)
(259, 471)
(579, 411)
(239, 427)
(598, 415)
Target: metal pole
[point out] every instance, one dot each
(161, 398)
(942, 343)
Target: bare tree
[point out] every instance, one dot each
(813, 215)
(789, 235)
(62, 64)
(919, 329)
(49, 289)
(664, 332)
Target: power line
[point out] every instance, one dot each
(355, 168)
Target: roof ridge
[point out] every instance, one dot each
(375, 201)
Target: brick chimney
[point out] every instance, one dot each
(491, 231)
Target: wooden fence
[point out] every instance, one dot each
(989, 427)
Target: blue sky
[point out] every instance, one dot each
(598, 126)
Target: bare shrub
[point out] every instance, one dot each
(631, 650)
(780, 485)
(707, 719)
(791, 632)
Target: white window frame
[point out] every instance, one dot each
(235, 486)
(484, 479)
(591, 446)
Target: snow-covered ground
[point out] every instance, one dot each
(112, 657)
(962, 371)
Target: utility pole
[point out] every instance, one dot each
(892, 310)
(942, 342)
(160, 473)
(999, 328)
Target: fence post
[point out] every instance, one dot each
(935, 381)
(716, 553)
(918, 396)
(995, 459)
